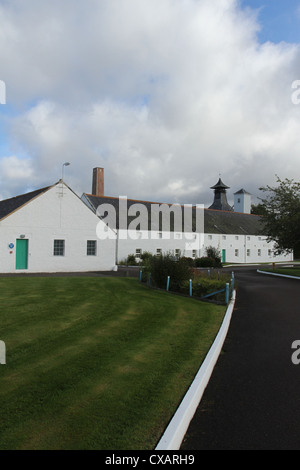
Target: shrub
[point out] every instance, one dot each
(189, 261)
(214, 253)
(131, 260)
(163, 266)
(146, 256)
(204, 286)
(205, 262)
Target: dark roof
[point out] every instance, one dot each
(220, 185)
(242, 191)
(220, 200)
(237, 223)
(215, 221)
(8, 206)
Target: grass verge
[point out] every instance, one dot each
(96, 363)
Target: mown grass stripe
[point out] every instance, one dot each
(96, 363)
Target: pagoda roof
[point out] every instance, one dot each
(220, 185)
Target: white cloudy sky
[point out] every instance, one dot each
(164, 94)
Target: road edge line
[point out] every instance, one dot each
(178, 426)
(278, 275)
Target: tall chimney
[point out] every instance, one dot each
(98, 182)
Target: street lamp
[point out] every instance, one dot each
(62, 173)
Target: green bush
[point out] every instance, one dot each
(189, 261)
(131, 261)
(205, 262)
(211, 260)
(212, 252)
(204, 286)
(207, 286)
(165, 265)
(146, 256)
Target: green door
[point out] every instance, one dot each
(223, 256)
(22, 253)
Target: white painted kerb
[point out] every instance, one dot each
(178, 426)
(278, 275)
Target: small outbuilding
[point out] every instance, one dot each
(52, 230)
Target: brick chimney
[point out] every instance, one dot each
(98, 182)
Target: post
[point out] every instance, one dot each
(141, 272)
(168, 283)
(227, 293)
(191, 288)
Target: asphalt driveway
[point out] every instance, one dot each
(253, 398)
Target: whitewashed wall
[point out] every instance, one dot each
(56, 214)
(239, 248)
(245, 248)
(168, 242)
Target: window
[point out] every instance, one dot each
(177, 253)
(158, 251)
(194, 253)
(236, 252)
(248, 252)
(59, 248)
(269, 252)
(236, 237)
(210, 237)
(91, 248)
(159, 234)
(224, 237)
(259, 252)
(138, 252)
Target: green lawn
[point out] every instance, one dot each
(96, 363)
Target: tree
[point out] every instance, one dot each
(258, 209)
(214, 253)
(281, 220)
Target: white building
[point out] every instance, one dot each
(52, 230)
(237, 234)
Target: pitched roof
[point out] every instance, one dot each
(242, 191)
(8, 206)
(215, 221)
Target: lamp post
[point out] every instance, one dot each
(62, 173)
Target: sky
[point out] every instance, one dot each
(165, 95)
